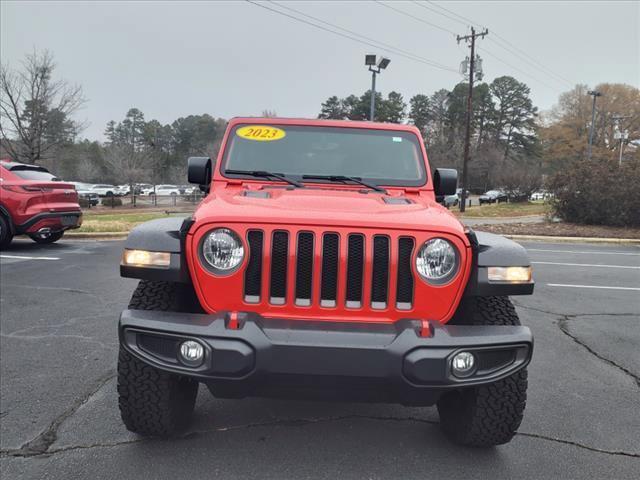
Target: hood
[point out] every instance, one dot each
(327, 206)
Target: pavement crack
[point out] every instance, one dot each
(300, 422)
(563, 326)
(42, 443)
(579, 445)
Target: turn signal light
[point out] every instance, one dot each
(144, 258)
(510, 274)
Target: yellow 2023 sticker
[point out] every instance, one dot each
(261, 133)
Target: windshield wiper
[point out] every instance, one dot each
(265, 174)
(344, 178)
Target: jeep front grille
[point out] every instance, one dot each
(329, 270)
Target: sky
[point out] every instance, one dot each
(173, 59)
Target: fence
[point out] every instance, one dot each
(148, 201)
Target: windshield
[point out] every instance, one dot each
(382, 157)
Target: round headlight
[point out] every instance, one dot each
(222, 249)
(437, 261)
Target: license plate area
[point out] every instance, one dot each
(69, 220)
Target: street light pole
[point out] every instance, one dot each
(593, 118)
(375, 68)
(372, 109)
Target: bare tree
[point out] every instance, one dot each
(36, 110)
(127, 165)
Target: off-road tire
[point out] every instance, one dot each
(153, 402)
(49, 238)
(486, 415)
(5, 232)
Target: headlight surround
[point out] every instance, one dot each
(222, 251)
(437, 261)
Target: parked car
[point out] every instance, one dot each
(36, 203)
(459, 193)
(186, 189)
(85, 193)
(122, 190)
(144, 189)
(166, 190)
(493, 196)
(451, 201)
(104, 190)
(343, 278)
(540, 195)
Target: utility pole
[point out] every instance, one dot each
(593, 118)
(467, 136)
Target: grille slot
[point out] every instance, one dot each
(380, 273)
(404, 289)
(355, 265)
(327, 269)
(253, 272)
(304, 269)
(279, 254)
(329, 281)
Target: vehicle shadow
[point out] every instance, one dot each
(23, 244)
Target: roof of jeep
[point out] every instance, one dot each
(324, 123)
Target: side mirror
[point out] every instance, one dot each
(199, 171)
(445, 181)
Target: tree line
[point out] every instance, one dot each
(505, 141)
(513, 145)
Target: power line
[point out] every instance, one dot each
(389, 49)
(464, 20)
(421, 20)
(473, 23)
(519, 70)
(528, 58)
(443, 14)
(392, 47)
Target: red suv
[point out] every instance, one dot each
(34, 202)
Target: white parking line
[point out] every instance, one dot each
(23, 257)
(592, 286)
(592, 252)
(585, 265)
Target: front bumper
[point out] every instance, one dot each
(246, 354)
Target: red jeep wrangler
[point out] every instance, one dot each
(321, 265)
(34, 202)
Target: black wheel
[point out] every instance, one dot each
(487, 415)
(153, 402)
(46, 238)
(5, 232)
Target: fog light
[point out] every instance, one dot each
(191, 353)
(463, 364)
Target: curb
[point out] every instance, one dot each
(546, 238)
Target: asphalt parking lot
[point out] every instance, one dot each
(59, 416)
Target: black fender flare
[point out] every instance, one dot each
(490, 250)
(161, 235)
